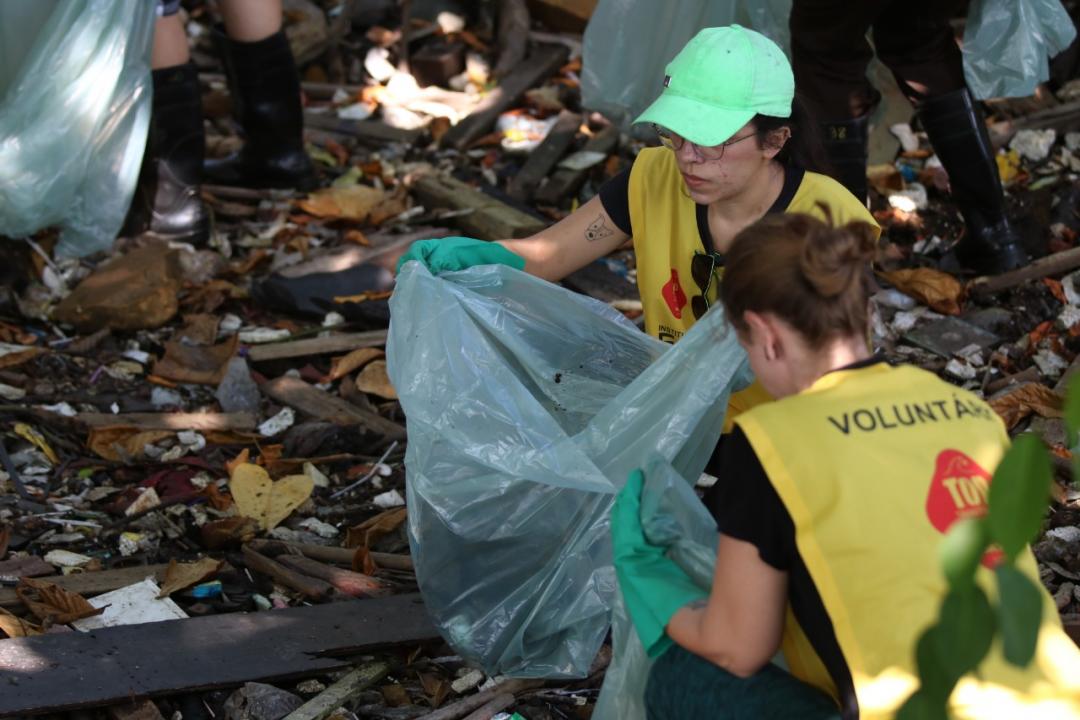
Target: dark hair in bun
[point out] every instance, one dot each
(814, 276)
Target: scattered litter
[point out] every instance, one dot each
(131, 605)
(389, 499)
(279, 423)
(1033, 145)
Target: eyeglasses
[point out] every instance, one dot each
(674, 142)
(703, 269)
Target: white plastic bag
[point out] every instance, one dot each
(527, 405)
(74, 113)
(1008, 45)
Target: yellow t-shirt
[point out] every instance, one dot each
(665, 222)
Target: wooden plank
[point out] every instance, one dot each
(324, 406)
(490, 219)
(565, 182)
(343, 342)
(1055, 264)
(89, 584)
(322, 705)
(544, 157)
(327, 553)
(544, 61)
(172, 421)
(72, 670)
(467, 704)
(369, 131)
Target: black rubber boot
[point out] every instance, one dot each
(846, 149)
(265, 90)
(167, 202)
(958, 134)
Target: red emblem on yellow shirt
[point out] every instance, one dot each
(959, 490)
(673, 295)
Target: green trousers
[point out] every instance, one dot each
(683, 686)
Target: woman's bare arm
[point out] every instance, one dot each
(585, 235)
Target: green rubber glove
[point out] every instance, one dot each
(653, 587)
(458, 253)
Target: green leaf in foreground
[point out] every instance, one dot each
(1019, 494)
(962, 550)
(1020, 606)
(965, 631)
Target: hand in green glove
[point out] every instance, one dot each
(458, 253)
(654, 588)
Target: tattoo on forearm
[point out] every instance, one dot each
(598, 230)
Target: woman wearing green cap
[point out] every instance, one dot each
(734, 148)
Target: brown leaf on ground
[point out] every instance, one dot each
(5, 538)
(12, 355)
(1025, 399)
(342, 366)
(121, 444)
(356, 237)
(240, 459)
(53, 604)
(395, 695)
(368, 532)
(436, 688)
(16, 627)
(940, 291)
(196, 364)
(211, 296)
(354, 202)
(362, 561)
(217, 499)
(179, 576)
(233, 530)
(374, 379)
(200, 329)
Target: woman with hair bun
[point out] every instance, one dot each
(831, 503)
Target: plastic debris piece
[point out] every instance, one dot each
(910, 199)
(1033, 145)
(279, 423)
(316, 475)
(468, 681)
(66, 558)
(210, 589)
(389, 499)
(237, 392)
(903, 132)
(147, 499)
(254, 336)
(960, 370)
(131, 605)
(320, 528)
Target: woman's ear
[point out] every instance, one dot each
(775, 141)
(763, 334)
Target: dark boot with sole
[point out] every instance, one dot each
(845, 145)
(265, 90)
(167, 204)
(959, 137)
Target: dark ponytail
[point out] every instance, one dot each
(804, 149)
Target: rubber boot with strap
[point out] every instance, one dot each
(265, 90)
(167, 202)
(958, 135)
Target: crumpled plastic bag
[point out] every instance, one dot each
(74, 114)
(1008, 45)
(527, 405)
(672, 516)
(622, 72)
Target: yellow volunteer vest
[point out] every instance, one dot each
(666, 236)
(874, 465)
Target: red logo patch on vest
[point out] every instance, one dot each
(959, 490)
(673, 295)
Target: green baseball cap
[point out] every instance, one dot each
(719, 82)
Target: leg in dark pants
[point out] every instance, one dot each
(683, 685)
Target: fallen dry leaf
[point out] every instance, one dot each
(342, 366)
(16, 627)
(38, 440)
(1025, 399)
(12, 355)
(362, 562)
(5, 538)
(122, 443)
(354, 202)
(368, 532)
(373, 379)
(268, 502)
(179, 576)
(199, 329)
(233, 530)
(940, 291)
(395, 695)
(217, 499)
(53, 604)
(197, 364)
(240, 459)
(436, 688)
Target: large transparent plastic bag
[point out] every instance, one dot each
(74, 113)
(628, 43)
(1008, 45)
(527, 405)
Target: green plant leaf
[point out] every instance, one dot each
(936, 682)
(962, 550)
(1072, 409)
(921, 706)
(1019, 611)
(964, 632)
(1019, 494)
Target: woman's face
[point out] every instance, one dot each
(708, 180)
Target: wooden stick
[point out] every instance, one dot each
(171, 421)
(325, 703)
(342, 342)
(309, 586)
(351, 583)
(544, 157)
(565, 182)
(491, 218)
(498, 703)
(322, 405)
(466, 705)
(1063, 261)
(339, 555)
